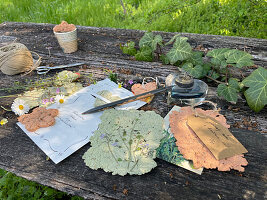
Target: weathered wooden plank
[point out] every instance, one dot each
(105, 41)
(98, 48)
(21, 156)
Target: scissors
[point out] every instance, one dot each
(45, 69)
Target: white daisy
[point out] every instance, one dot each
(60, 99)
(19, 107)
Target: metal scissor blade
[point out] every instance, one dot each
(68, 65)
(126, 100)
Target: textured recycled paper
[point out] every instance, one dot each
(217, 138)
(72, 130)
(169, 151)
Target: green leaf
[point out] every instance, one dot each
(164, 59)
(230, 91)
(256, 94)
(213, 75)
(196, 58)
(196, 71)
(172, 39)
(239, 58)
(181, 50)
(157, 40)
(218, 56)
(128, 48)
(168, 150)
(206, 69)
(145, 54)
(146, 40)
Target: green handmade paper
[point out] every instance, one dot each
(125, 142)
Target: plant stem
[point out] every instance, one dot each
(124, 9)
(214, 79)
(5, 108)
(226, 74)
(111, 152)
(12, 95)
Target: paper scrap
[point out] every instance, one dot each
(218, 139)
(72, 130)
(168, 150)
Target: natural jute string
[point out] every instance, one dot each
(15, 58)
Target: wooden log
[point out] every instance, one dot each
(99, 49)
(22, 157)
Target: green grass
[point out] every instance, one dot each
(13, 188)
(247, 18)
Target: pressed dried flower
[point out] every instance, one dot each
(60, 99)
(19, 107)
(3, 121)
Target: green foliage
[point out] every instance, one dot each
(219, 17)
(218, 56)
(112, 76)
(238, 58)
(168, 150)
(256, 94)
(222, 57)
(13, 187)
(195, 71)
(145, 54)
(180, 51)
(214, 68)
(146, 40)
(125, 142)
(229, 91)
(128, 48)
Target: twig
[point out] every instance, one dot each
(226, 74)
(171, 8)
(214, 79)
(124, 9)
(5, 108)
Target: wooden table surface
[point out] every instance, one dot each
(99, 49)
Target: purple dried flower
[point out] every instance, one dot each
(102, 136)
(114, 144)
(45, 101)
(52, 99)
(58, 90)
(130, 82)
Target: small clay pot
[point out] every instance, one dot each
(67, 40)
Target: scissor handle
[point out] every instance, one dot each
(45, 69)
(42, 69)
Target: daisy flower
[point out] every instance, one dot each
(19, 107)
(60, 99)
(3, 121)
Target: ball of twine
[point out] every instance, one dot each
(15, 58)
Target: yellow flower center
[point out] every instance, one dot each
(3, 121)
(61, 100)
(21, 107)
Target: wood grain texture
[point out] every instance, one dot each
(99, 49)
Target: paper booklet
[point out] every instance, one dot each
(73, 130)
(168, 150)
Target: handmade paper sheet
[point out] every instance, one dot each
(173, 155)
(73, 130)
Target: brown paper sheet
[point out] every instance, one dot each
(218, 139)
